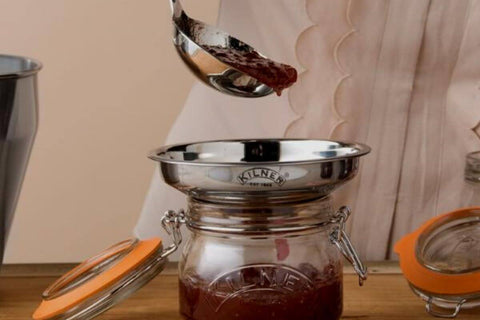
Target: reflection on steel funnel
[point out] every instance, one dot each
(18, 126)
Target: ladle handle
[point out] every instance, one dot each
(177, 8)
(341, 240)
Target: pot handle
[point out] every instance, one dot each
(341, 240)
(171, 222)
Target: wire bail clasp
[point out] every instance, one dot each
(441, 313)
(171, 223)
(341, 240)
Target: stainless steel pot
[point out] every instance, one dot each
(18, 126)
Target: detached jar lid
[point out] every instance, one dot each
(103, 281)
(441, 260)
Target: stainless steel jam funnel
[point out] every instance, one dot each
(190, 38)
(274, 170)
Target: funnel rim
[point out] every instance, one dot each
(159, 154)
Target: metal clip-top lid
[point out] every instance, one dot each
(102, 281)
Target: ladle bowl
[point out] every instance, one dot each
(191, 37)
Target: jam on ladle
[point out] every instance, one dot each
(277, 76)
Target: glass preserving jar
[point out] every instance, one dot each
(262, 262)
(441, 261)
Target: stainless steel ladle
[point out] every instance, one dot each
(191, 37)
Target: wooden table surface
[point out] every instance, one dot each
(385, 296)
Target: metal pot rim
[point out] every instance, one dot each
(35, 67)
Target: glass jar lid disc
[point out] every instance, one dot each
(452, 245)
(439, 257)
(102, 281)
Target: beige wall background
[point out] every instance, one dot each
(110, 90)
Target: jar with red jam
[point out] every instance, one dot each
(264, 240)
(260, 262)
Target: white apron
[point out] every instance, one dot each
(402, 76)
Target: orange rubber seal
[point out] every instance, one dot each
(56, 306)
(427, 279)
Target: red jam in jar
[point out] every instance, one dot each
(264, 292)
